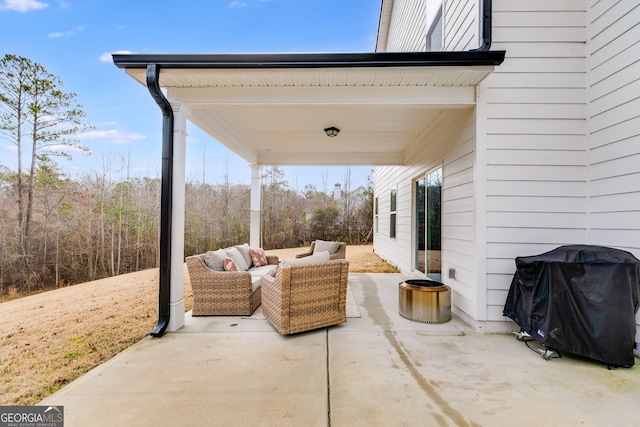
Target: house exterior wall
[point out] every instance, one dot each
(613, 139)
(614, 124)
(450, 144)
(549, 156)
(535, 119)
(408, 29)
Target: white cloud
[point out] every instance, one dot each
(113, 136)
(106, 57)
(57, 35)
(22, 5)
(236, 3)
(69, 33)
(12, 148)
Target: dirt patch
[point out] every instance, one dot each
(50, 339)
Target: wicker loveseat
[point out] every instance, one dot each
(219, 292)
(337, 250)
(306, 296)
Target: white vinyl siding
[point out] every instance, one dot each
(536, 172)
(411, 19)
(408, 29)
(461, 25)
(614, 126)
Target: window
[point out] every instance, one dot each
(375, 218)
(392, 215)
(428, 220)
(434, 35)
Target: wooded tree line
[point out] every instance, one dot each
(56, 231)
(97, 226)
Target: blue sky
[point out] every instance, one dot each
(73, 39)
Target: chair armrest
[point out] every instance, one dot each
(274, 302)
(306, 254)
(309, 251)
(267, 280)
(273, 259)
(341, 253)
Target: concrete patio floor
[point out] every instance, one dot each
(376, 370)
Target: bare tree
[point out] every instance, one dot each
(107, 223)
(282, 211)
(346, 205)
(324, 176)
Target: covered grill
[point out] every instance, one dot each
(579, 299)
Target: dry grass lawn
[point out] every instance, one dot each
(52, 338)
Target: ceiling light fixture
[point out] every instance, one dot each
(332, 131)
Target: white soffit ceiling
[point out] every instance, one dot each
(277, 116)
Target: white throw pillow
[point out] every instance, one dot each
(319, 257)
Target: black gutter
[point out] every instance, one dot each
(312, 60)
(164, 299)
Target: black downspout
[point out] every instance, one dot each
(164, 299)
(486, 27)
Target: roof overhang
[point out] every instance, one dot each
(272, 109)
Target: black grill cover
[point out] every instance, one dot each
(579, 299)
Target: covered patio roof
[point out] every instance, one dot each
(271, 109)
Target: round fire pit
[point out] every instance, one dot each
(425, 301)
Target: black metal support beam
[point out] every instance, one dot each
(166, 196)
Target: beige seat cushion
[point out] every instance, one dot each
(322, 246)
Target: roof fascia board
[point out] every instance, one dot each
(310, 60)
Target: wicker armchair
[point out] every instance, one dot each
(222, 292)
(341, 252)
(302, 297)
